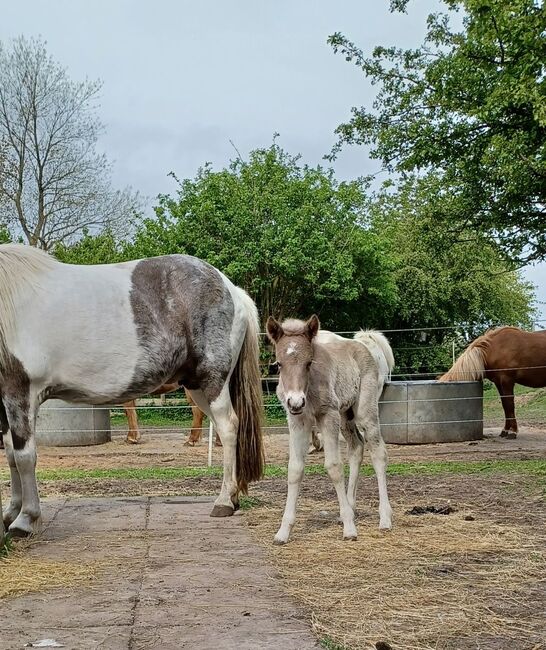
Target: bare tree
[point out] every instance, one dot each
(55, 182)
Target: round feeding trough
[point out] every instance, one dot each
(424, 412)
(61, 424)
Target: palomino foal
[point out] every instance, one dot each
(335, 383)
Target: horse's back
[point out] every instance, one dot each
(121, 330)
(520, 353)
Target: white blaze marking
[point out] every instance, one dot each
(291, 349)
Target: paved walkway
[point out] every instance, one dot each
(176, 578)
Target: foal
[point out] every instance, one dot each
(335, 383)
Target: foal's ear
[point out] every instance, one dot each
(312, 326)
(274, 329)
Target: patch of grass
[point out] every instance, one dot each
(246, 502)
(531, 467)
(326, 642)
(6, 546)
(530, 404)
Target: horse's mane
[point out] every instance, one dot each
(294, 327)
(20, 268)
(470, 366)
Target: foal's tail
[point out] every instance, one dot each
(380, 341)
(246, 396)
(470, 366)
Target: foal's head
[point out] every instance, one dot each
(293, 341)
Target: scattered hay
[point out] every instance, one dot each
(21, 573)
(430, 583)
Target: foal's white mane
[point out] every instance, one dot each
(20, 268)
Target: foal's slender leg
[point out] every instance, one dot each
(299, 427)
(355, 448)
(23, 449)
(329, 426)
(367, 420)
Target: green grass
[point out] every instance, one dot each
(530, 467)
(531, 410)
(6, 546)
(326, 642)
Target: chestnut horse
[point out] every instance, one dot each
(133, 433)
(506, 356)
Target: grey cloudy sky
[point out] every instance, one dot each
(182, 79)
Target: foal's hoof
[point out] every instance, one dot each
(503, 433)
(349, 538)
(222, 511)
(279, 542)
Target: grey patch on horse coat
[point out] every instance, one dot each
(183, 312)
(15, 402)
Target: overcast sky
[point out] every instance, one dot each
(182, 79)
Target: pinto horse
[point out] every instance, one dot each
(506, 356)
(106, 334)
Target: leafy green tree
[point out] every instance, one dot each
(468, 107)
(101, 248)
(464, 286)
(291, 235)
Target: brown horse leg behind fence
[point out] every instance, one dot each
(133, 432)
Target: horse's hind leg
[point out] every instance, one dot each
(367, 421)
(506, 390)
(329, 425)
(22, 459)
(355, 445)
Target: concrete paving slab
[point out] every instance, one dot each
(172, 577)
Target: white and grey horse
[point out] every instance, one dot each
(105, 334)
(335, 383)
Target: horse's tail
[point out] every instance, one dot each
(470, 366)
(380, 341)
(246, 396)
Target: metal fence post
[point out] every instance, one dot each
(211, 427)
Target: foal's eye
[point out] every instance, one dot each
(308, 365)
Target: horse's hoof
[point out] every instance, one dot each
(222, 511)
(19, 533)
(511, 435)
(189, 443)
(503, 434)
(278, 542)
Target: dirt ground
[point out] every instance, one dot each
(168, 450)
(471, 579)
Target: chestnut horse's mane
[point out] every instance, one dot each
(470, 366)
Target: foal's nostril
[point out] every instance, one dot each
(302, 402)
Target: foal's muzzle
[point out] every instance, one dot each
(296, 404)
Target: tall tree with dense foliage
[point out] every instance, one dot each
(54, 182)
(468, 106)
(289, 234)
(462, 287)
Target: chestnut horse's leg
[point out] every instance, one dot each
(133, 434)
(197, 424)
(506, 390)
